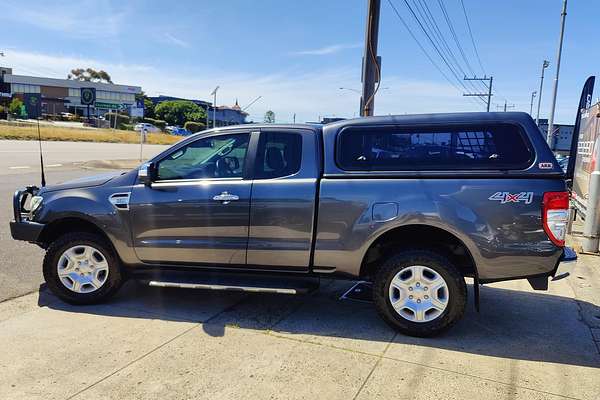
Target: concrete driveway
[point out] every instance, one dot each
(155, 343)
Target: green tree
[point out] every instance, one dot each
(178, 112)
(89, 75)
(148, 107)
(270, 117)
(194, 126)
(15, 106)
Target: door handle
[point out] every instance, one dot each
(226, 197)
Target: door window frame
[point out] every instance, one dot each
(249, 161)
(263, 133)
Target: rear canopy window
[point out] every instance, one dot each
(389, 148)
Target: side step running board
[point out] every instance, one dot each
(182, 285)
(241, 282)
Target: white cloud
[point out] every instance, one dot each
(71, 18)
(307, 94)
(170, 39)
(325, 50)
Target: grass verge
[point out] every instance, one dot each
(29, 132)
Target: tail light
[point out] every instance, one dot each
(555, 216)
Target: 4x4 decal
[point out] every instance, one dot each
(506, 197)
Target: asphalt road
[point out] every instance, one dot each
(20, 262)
(18, 156)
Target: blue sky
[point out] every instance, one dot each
(296, 55)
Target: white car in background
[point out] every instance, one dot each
(148, 127)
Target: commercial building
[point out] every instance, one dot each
(223, 115)
(64, 95)
(561, 141)
(226, 115)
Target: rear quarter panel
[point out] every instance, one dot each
(505, 239)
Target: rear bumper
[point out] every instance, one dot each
(564, 263)
(26, 230)
(561, 270)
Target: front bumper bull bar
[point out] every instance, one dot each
(22, 228)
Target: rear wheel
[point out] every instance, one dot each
(419, 292)
(82, 268)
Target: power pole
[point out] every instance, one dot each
(371, 63)
(489, 87)
(531, 106)
(545, 65)
(214, 94)
(506, 106)
(563, 15)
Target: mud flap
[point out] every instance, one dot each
(476, 292)
(539, 282)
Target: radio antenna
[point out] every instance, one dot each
(41, 154)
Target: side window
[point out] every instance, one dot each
(219, 156)
(389, 148)
(279, 154)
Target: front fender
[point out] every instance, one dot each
(91, 205)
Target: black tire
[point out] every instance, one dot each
(457, 296)
(114, 278)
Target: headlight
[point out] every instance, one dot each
(35, 203)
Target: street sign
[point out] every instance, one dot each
(33, 104)
(88, 96)
(137, 109)
(137, 112)
(108, 106)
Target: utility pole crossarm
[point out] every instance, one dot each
(483, 95)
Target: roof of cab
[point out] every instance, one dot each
(266, 125)
(436, 118)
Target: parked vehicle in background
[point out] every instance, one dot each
(414, 204)
(169, 128)
(563, 162)
(148, 127)
(180, 131)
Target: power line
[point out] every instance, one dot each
(455, 36)
(421, 46)
(443, 44)
(425, 52)
(437, 49)
(436, 33)
(471, 35)
(458, 45)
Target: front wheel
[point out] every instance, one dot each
(419, 292)
(82, 268)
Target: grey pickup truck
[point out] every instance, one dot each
(414, 204)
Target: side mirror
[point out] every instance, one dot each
(145, 173)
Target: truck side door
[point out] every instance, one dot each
(283, 201)
(197, 209)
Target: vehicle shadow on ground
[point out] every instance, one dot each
(512, 324)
